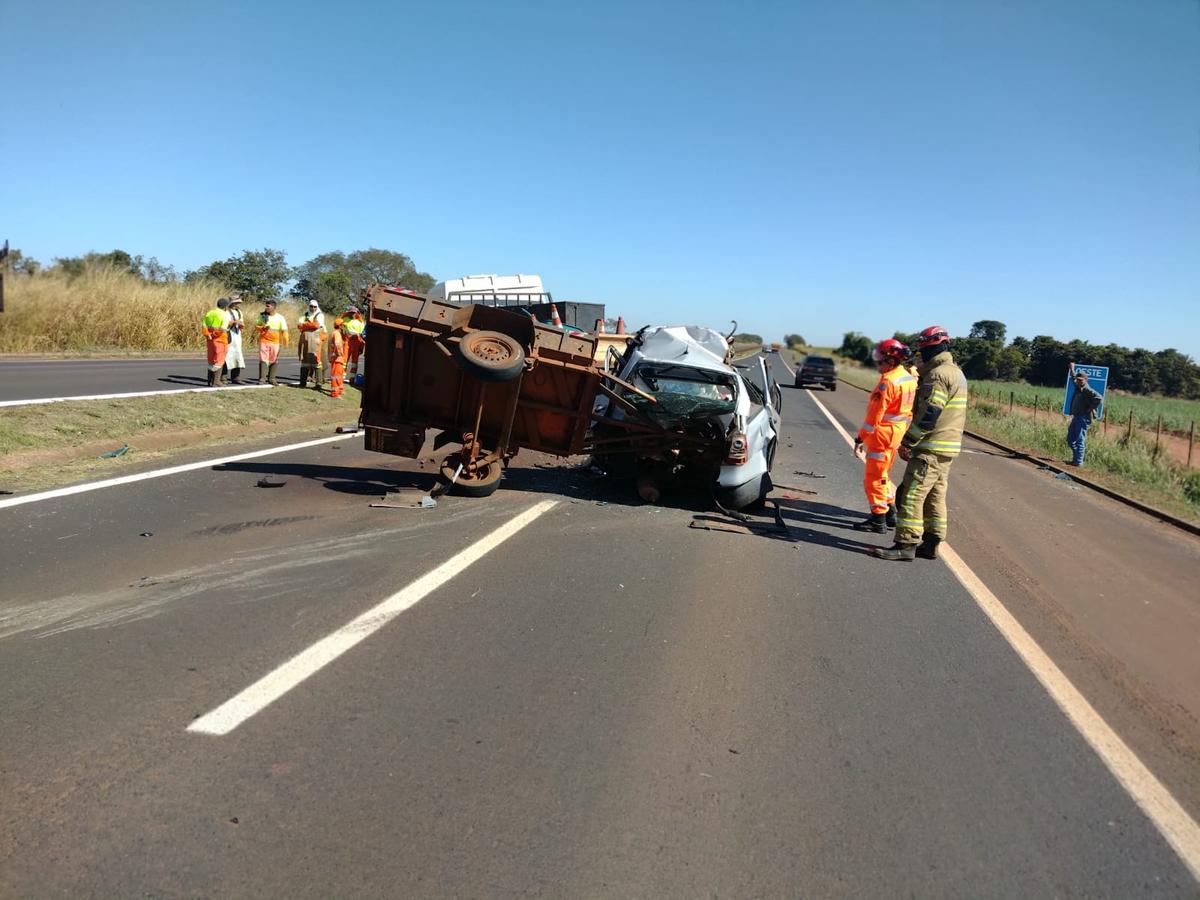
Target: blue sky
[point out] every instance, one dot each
(806, 167)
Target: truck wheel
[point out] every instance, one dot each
(833, 387)
(490, 356)
(485, 482)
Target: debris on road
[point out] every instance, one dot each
(268, 483)
(146, 534)
(346, 429)
(806, 474)
(406, 499)
(112, 454)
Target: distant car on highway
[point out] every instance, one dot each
(820, 370)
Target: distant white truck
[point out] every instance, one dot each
(493, 290)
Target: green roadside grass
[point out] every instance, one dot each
(1177, 414)
(1128, 466)
(54, 444)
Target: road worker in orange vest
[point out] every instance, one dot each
(355, 326)
(889, 412)
(338, 348)
(313, 334)
(216, 340)
(272, 331)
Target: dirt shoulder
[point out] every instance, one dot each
(63, 443)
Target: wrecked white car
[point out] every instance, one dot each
(722, 418)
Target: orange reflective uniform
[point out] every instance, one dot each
(216, 337)
(337, 361)
(889, 412)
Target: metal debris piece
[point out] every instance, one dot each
(146, 534)
(806, 474)
(112, 454)
(268, 483)
(346, 429)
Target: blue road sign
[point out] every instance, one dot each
(1097, 377)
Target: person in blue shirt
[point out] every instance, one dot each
(1084, 405)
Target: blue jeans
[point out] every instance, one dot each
(1077, 437)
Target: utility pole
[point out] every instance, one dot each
(3, 255)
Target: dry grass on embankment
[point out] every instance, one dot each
(106, 310)
(60, 443)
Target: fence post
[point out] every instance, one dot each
(1158, 433)
(1129, 432)
(1011, 394)
(1191, 440)
(1106, 418)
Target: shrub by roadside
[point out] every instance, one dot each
(106, 309)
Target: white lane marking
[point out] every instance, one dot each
(233, 712)
(203, 390)
(785, 365)
(1173, 822)
(832, 421)
(160, 473)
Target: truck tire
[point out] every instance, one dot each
(833, 387)
(490, 356)
(485, 483)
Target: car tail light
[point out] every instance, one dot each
(739, 450)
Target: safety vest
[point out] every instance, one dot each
(216, 321)
(889, 410)
(270, 328)
(355, 326)
(337, 347)
(941, 410)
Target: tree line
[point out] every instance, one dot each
(1043, 360)
(334, 279)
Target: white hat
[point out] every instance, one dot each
(313, 303)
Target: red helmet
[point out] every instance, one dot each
(932, 337)
(890, 349)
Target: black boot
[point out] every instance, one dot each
(304, 376)
(212, 378)
(262, 372)
(271, 374)
(897, 552)
(874, 522)
(929, 547)
(891, 516)
(234, 376)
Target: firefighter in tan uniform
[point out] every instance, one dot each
(932, 443)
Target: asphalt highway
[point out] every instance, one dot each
(33, 379)
(613, 701)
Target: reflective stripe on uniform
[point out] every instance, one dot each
(891, 418)
(878, 456)
(869, 429)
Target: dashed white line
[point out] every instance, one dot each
(233, 712)
(1173, 822)
(161, 473)
(791, 371)
(203, 390)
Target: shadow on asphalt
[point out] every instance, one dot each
(343, 479)
(820, 513)
(197, 381)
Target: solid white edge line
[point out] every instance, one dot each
(203, 390)
(160, 473)
(1165, 813)
(233, 712)
(791, 371)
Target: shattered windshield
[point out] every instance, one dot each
(681, 391)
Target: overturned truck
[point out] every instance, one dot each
(493, 382)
